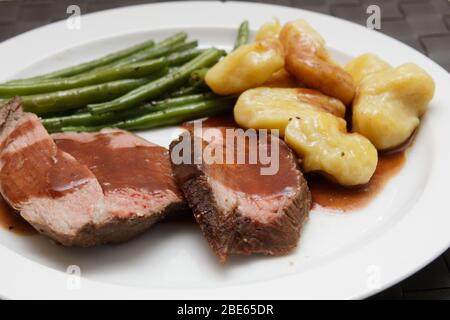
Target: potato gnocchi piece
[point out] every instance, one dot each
(269, 30)
(364, 65)
(307, 58)
(390, 102)
(322, 141)
(271, 108)
(247, 67)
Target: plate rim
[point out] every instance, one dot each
(31, 283)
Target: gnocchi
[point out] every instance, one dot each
(325, 146)
(269, 30)
(271, 108)
(247, 67)
(307, 58)
(364, 65)
(390, 102)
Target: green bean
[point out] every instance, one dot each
(242, 36)
(159, 86)
(79, 97)
(169, 116)
(62, 113)
(197, 84)
(136, 70)
(82, 128)
(199, 87)
(155, 52)
(178, 101)
(83, 67)
(198, 76)
(178, 114)
(178, 58)
(87, 119)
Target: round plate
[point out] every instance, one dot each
(349, 255)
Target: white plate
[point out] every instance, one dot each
(340, 256)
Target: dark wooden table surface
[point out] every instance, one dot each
(422, 24)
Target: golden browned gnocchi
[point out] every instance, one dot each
(269, 30)
(247, 67)
(390, 102)
(364, 65)
(280, 78)
(307, 58)
(271, 108)
(322, 141)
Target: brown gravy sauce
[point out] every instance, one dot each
(226, 120)
(231, 174)
(40, 170)
(330, 195)
(136, 167)
(10, 220)
(254, 182)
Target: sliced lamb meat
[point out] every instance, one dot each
(239, 209)
(107, 187)
(135, 175)
(53, 192)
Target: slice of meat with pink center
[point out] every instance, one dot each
(52, 191)
(135, 175)
(241, 208)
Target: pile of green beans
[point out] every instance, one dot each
(55, 124)
(159, 86)
(144, 86)
(166, 116)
